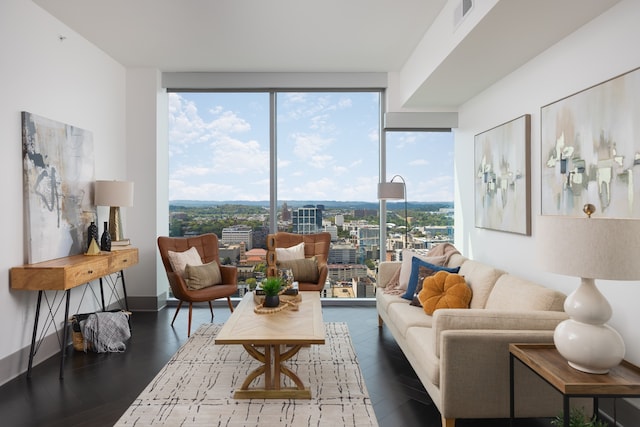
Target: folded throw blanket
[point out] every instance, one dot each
(106, 332)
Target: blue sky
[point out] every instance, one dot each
(327, 149)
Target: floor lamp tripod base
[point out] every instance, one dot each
(588, 344)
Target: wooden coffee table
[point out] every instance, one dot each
(272, 339)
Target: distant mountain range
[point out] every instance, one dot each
(329, 204)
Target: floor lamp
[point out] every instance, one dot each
(589, 248)
(396, 191)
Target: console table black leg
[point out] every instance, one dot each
(64, 333)
(566, 410)
(32, 351)
(102, 295)
(124, 291)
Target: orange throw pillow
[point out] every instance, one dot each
(444, 290)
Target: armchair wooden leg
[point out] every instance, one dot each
(211, 309)
(230, 305)
(177, 310)
(380, 322)
(189, 326)
(448, 422)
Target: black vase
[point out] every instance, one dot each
(105, 241)
(92, 233)
(271, 301)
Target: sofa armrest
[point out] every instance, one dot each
(510, 320)
(386, 270)
(474, 376)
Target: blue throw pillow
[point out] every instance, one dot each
(421, 269)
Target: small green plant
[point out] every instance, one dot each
(272, 286)
(578, 419)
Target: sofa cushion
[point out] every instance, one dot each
(405, 316)
(383, 300)
(444, 290)
(481, 278)
(513, 293)
(419, 341)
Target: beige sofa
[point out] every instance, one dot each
(461, 355)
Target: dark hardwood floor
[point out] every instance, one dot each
(98, 388)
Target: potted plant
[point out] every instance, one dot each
(271, 287)
(578, 419)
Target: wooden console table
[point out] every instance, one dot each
(543, 359)
(64, 274)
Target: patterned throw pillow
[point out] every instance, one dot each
(202, 276)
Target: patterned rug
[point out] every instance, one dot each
(196, 387)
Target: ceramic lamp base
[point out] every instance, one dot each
(588, 344)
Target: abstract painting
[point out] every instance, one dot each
(502, 177)
(58, 181)
(590, 144)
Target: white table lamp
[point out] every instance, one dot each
(115, 194)
(590, 248)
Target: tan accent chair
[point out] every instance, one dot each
(314, 245)
(207, 246)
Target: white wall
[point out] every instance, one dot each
(602, 49)
(66, 80)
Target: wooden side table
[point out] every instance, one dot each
(546, 362)
(64, 274)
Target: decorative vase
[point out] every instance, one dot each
(92, 233)
(105, 241)
(271, 301)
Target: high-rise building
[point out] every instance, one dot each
(238, 234)
(307, 219)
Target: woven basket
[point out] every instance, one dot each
(76, 332)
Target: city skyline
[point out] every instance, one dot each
(327, 149)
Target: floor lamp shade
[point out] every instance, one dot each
(589, 248)
(391, 190)
(115, 194)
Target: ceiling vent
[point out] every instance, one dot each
(461, 11)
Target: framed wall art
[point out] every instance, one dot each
(58, 177)
(590, 144)
(502, 177)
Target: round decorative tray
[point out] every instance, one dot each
(259, 309)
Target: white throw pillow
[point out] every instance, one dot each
(179, 260)
(405, 269)
(289, 254)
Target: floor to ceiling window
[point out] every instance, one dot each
(327, 167)
(424, 161)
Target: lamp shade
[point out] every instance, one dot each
(114, 193)
(595, 248)
(390, 190)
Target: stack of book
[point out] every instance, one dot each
(293, 290)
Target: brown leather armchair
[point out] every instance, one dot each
(314, 245)
(207, 246)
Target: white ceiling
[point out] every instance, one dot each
(326, 36)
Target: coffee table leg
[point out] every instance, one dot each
(273, 369)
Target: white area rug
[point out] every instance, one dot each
(196, 387)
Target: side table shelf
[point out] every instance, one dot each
(544, 360)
